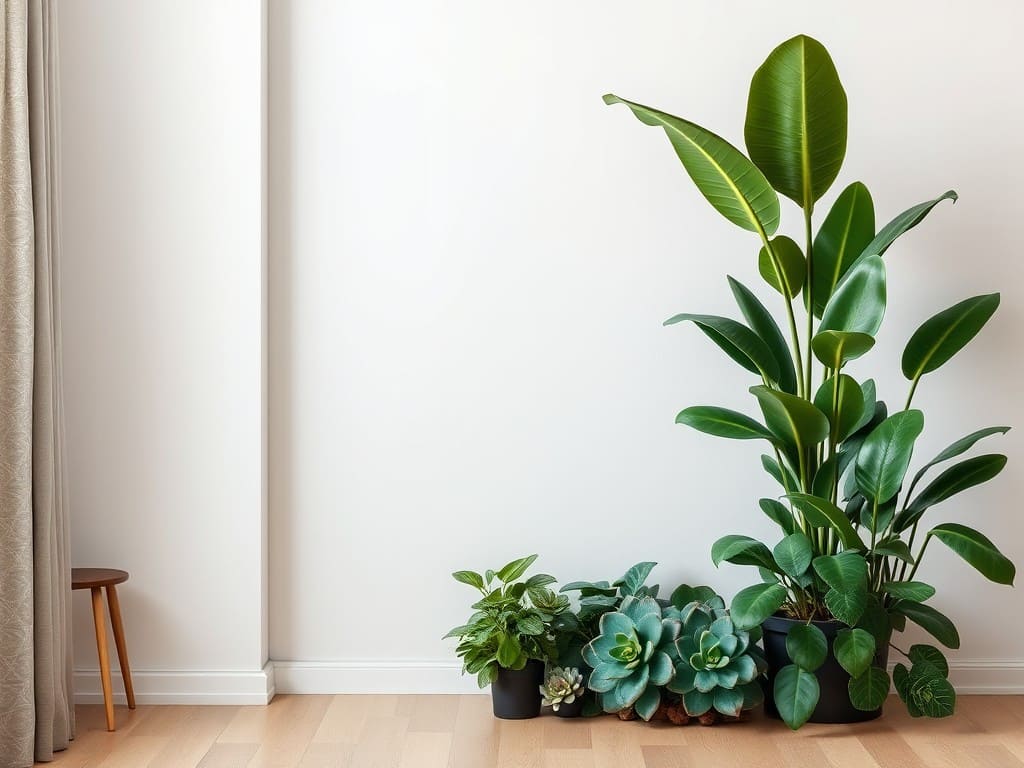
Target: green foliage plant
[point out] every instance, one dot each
(511, 623)
(854, 527)
(562, 685)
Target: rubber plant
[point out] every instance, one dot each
(854, 527)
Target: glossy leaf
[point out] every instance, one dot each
(849, 404)
(961, 476)
(731, 183)
(471, 578)
(793, 420)
(834, 349)
(869, 413)
(515, 569)
(753, 605)
(917, 591)
(793, 555)
(929, 654)
(885, 455)
(897, 548)
(907, 220)
(930, 620)
(722, 422)
(931, 693)
(875, 620)
(854, 650)
(763, 324)
(957, 448)
(858, 304)
(783, 476)
(789, 278)
(742, 550)
(846, 231)
(737, 341)
(777, 511)
(807, 646)
(945, 334)
(977, 550)
(822, 513)
(796, 694)
(796, 120)
(868, 691)
(846, 574)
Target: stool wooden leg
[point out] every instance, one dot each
(122, 648)
(101, 649)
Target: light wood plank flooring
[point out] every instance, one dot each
(459, 732)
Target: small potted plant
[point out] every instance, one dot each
(563, 691)
(507, 641)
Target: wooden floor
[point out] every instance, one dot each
(459, 732)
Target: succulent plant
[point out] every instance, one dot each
(562, 685)
(631, 658)
(717, 665)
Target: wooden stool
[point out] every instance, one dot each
(95, 580)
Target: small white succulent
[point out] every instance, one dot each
(561, 686)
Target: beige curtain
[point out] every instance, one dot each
(36, 715)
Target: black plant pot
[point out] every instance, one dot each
(515, 694)
(571, 710)
(834, 704)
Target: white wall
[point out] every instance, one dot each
(471, 257)
(163, 334)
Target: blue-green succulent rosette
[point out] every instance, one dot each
(631, 658)
(717, 665)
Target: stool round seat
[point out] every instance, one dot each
(88, 578)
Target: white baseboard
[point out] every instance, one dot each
(181, 687)
(354, 676)
(989, 676)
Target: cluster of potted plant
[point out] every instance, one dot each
(854, 524)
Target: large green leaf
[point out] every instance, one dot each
(916, 591)
(723, 174)
(945, 334)
(789, 278)
(777, 511)
(847, 576)
(929, 654)
(936, 624)
(858, 304)
(868, 691)
(807, 646)
(846, 406)
(834, 349)
(793, 420)
(854, 650)
(742, 550)
(753, 605)
(796, 120)
(961, 476)
(977, 550)
(737, 341)
(796, 695)
(885, 455)
(794, 554)
(846, 231)
(959, 447)
(782, 474)
(512, 571)
(930, 692)
(822, 513)
(909, 219)
(722, 422)
(763, 324)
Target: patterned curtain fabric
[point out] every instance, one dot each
(36, 715)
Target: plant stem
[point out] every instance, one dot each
(797, 354)
(910, 544)
(920, 554)
(910, 395)
(809, 303)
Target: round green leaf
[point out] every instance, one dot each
(868, 691)
(796, 120)
(723, 174)
(723, 422)
(796, 695)
(791, 262)
(858, 304)
(729, 701)
(849, 404)
(885, 455)
(807, 646)
(977, 550)
(753, 605)
(846, 231)
(854, 650)
(792, 419)
(945, 334)
(794, 554)
(648, 702)
(930, 692)
(928, 654)
(834, 349)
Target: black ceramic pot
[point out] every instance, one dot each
(834, 704)
(571, 710)
(515, 695)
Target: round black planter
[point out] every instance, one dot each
(571, 710)
(515, 695)
(834, 705)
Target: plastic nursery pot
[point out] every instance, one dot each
(834, 704)
(515, 694)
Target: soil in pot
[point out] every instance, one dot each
(834, 705)
(515, 694)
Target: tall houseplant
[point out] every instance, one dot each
(843, 576)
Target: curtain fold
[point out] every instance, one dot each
(36, 714)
